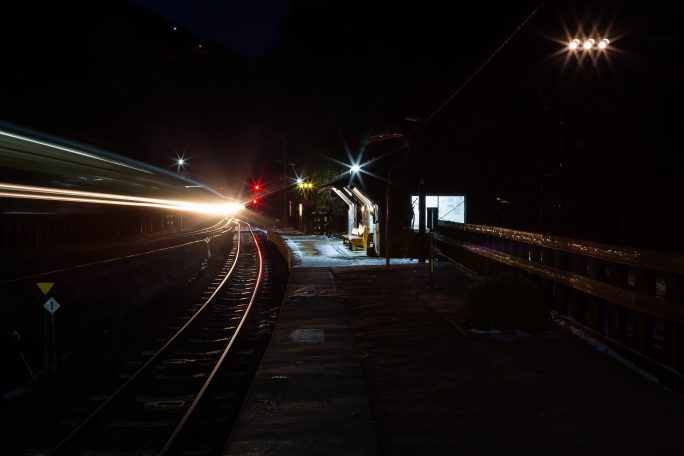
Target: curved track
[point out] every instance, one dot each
(150, 411)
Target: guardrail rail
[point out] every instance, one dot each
(632, 297)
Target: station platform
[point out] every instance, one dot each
(322, 251)
(366, 360)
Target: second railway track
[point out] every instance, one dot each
(183, 389)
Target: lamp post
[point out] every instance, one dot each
(388, 198)
(586, 50)
(356, 168)
(180, 169)
(180, 165)
(300, 217)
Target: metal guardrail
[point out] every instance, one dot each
(630, 296)
(277, 240)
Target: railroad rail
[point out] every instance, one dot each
(632, 298)
(151, 410)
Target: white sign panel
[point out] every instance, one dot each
(51, 305)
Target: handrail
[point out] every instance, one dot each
(634, 297)
(650, 305)
(651, 259)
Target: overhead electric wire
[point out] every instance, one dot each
(464, 84)
(479, 69)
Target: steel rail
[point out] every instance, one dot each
(66, 440)
(179, 428)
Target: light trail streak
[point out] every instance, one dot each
(58, 194)
(70, 150)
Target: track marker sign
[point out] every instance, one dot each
(45, 287)
(51, 305)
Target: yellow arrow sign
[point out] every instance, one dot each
(45, 287)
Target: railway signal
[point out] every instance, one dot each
(49, 329)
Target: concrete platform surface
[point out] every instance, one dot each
(311, 250)
(308, 396)
(366, 360)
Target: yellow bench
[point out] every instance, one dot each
(359, 242)
(355, 232)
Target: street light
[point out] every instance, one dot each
(180, 164)
(356, 168)
(300, 181)
(589, 49)
(588, 44)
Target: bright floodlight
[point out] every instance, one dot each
(354, 169)
(603, 43)
(299, 181)
(181, 162)
(588, 44)
(574, 44)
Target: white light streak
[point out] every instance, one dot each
(70, 150)
(58, 194)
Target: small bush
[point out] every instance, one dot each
(505, 302)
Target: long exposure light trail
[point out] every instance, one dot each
(70, 150)
(58, 194)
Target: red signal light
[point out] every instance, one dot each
(254, 202)
(256, 187)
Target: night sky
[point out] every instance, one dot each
(245, 27)
(241, 84)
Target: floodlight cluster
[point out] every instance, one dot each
(588, 44)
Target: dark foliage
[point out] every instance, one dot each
(506, 302)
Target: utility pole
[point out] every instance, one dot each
(388, 199)
(421, 217)
(284, 181)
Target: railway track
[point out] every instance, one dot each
(179, 399)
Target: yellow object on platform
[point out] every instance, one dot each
(361, 242)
